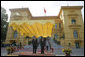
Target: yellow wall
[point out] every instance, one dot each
(66, 14)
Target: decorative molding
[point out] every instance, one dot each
(72, 11)
(75, 26)
(73, 15)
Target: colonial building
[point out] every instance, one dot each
(67, 28)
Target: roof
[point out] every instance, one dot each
(21, 9)
(69, 7)
(45, 17)
(34, 18)
(14, 9)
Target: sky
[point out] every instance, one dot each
(37, 7)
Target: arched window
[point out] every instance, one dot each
(15, 34)
(75, 34)
(73, 21)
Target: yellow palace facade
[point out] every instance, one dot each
(67, 28)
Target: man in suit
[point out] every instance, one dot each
(34, 43)
(42, 43)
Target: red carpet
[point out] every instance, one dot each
(31, 54)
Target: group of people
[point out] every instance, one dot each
(43, 44)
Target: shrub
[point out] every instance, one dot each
(67, 51)
(30, 42)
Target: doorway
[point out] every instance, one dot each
(77, 45)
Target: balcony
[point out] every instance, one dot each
(74, 26)
(78, 40)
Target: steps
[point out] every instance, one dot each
(57, 48)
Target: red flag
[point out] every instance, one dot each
(44, 10)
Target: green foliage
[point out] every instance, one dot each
(30, 42)
(67, 50)
(8, 48)
(4, 24)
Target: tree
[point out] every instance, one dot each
(4, 24)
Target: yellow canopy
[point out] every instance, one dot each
(36, 29)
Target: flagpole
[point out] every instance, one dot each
(44, 12)
(44, 15)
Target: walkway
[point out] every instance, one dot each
(57, 50)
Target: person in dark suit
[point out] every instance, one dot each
(42, 43)
(34, 43)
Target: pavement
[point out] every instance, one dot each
(3, 51)
(57, 50)
(26, 53)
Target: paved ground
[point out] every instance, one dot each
(26, 53)
(75, 52)
(3, 52)
(57, 50)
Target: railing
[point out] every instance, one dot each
(77, 38)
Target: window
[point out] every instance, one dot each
(15, 34)
(73, 21)
(75, 34)
(77, 45)
(59, 25)
(56, 26)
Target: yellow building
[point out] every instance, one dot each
(67, 28)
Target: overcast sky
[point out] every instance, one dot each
(37, 7)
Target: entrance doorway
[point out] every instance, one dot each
(77, 45)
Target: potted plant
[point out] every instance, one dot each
(67, 51)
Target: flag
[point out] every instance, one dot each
(44, 10)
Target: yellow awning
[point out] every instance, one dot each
(36, 29)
